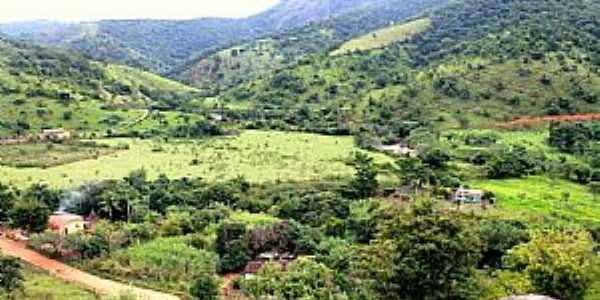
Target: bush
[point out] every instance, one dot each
(205, 287)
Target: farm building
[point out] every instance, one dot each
(54, 135)
(468, 196)
(66, 224)
(253, 266)
(398, 149)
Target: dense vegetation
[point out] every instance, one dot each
(162, 45)
(388, 92)
(296, 215)
(253, 60)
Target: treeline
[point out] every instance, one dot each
(481, 27)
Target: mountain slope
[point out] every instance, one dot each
(48, 88)
(481, 62)
(248, 61)
(161, 45)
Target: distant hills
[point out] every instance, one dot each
(161, 45)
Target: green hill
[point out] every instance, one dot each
(258, 58)
(49, 88)
(480, 63)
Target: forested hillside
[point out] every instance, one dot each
(249, 61)
(480, 63)
(161, 45)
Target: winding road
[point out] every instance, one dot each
(85, 280)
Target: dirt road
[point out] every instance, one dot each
(80, 278)
(525, 121)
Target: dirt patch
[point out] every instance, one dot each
(78, 277)
(533, 121)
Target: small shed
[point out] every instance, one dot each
(66, 224)
(468, 196)
(398, 149)
(54, 135)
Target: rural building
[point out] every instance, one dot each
(468, 196)
(398, 149)
(253, 266)
(66, 224)
(54, 135)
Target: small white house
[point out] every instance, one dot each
(468, 196)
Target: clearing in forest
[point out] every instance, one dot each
(383, 37)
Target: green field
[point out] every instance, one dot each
(41, 286)
(257, 155)
(543, 199)
(383, 37)
(42, 155)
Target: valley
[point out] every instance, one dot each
(363, 149)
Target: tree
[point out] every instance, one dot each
(558, 262)
(29, 214)
(304, 279)
(205, 287)
(43, 193)
(117, 201)
(595, 189)
(413, 172)
(7, 200)
(497, 237)
(365, 182)
(232, 247)
(11, 277)
(420, 254)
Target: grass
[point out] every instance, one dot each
(253, 220)
(543, 197)
(42, 155)
(167, 263)
(135, 77)
(383, 37)
(41, 286)
(259, 156)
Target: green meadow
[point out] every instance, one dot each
(544, 199)
(259, 156)
(41, 286)
(385, 36)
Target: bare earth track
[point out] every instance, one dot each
(532, 121)
(78, 277)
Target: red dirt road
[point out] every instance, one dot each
(75, 276)
(528, 121)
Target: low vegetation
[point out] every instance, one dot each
(384, 37)
(259, 156)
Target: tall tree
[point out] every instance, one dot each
(419, 255)
(365, 182)
(29, 214)
(558, 262)
(11, 277)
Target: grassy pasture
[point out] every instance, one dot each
(383, 37)
(41, 286)
(43, 155)
(258, 155)
(135, 77)
(543, 197)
